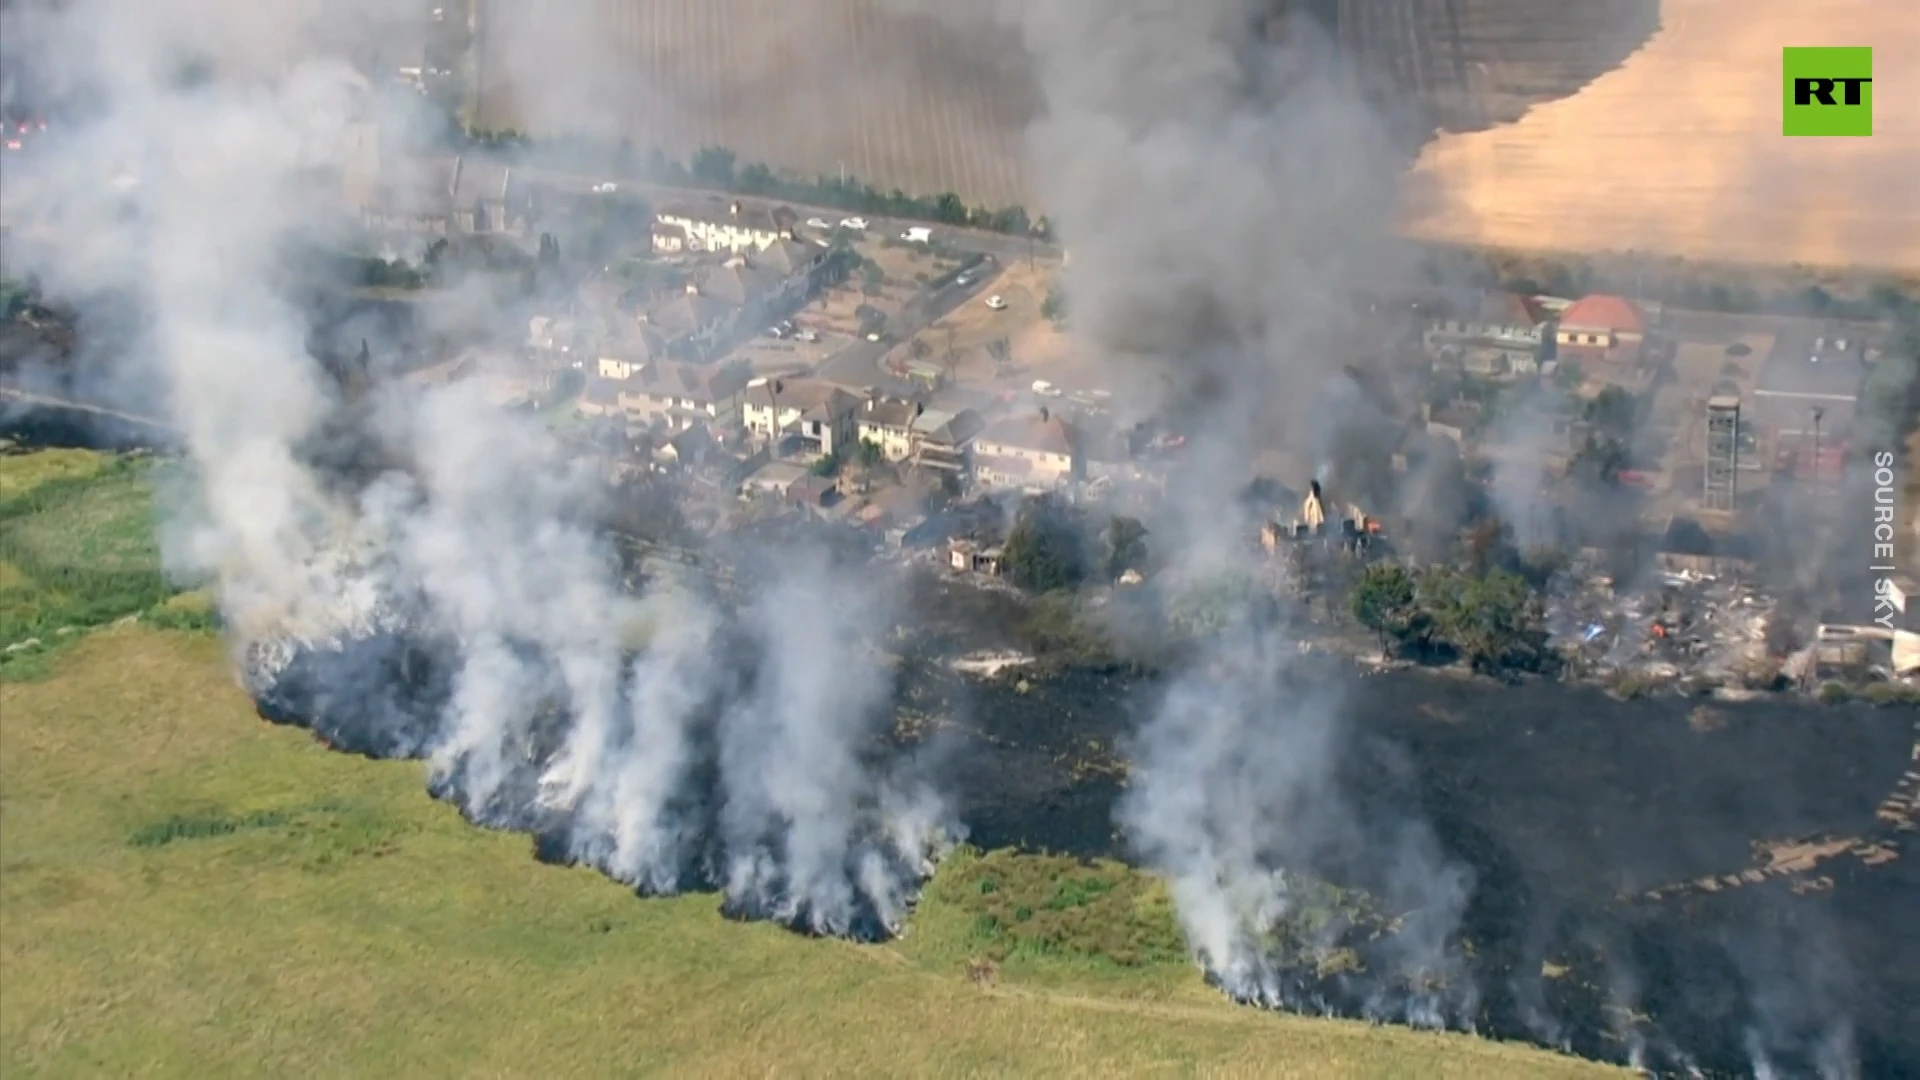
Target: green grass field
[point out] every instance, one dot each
(186, 890)
(77, 551)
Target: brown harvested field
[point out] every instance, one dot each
(810, 86)
(1676, 151)
(1679, 150)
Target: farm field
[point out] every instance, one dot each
(1679, 151)
(812, 87)
(187, 890)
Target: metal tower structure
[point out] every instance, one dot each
(1723, 453)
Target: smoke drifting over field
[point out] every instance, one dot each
(1223, 192)
(439, 589)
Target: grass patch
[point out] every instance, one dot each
(78, 551)
(290, 911)
(1032, 909)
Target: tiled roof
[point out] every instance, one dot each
(1602, 312)
(1050, 435)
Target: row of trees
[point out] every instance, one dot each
(720, 168)
(1698, 287)
(1493, 619)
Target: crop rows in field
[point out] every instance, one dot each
(1679, 150)
(811, 86)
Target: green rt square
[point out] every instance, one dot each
(1827, 92)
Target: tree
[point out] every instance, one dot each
(1383, 601)
(1054, 307)
(950, 209)
(870, 453)
(1493, 621)
(1567, 375)
(1126, 545)
(1612, 412)
(920, 349)
(828, 464)
(1043, 552)
(1001, 350)
(713, 167)
(872, 278)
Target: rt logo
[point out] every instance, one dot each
(1828, 92)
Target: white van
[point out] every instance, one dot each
(919, 234)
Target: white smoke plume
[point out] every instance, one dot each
(1223, 191)
(447, 593)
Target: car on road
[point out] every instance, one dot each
(919, 234)
(818, 223)
(857, 224)
(606, 188)
(964, 279)
(996, 302)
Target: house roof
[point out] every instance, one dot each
(605, 392)
(684, 315)
(808, 396)
(698, 382)
(1508, 309)
(888, 413)
(476, 178)
(1602, 312)
(952, 429)
(785, 257)
(1045, 432)
(637, 347)
(730, 284)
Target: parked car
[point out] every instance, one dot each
(605, 188)
(1045, 388)
(857, 224)
(919, 234)
(964, 279)
(997, 302)
(818, 223)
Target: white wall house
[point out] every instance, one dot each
(733, 228)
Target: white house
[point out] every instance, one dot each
(1028, 453)
(1500, 334)
(683, 395)
(822, 416)
(734, 228)
(888, 424)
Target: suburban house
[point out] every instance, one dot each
(1807, 394)
(823, 417)
(626, 358)
(1498, 334)
(734, 228)
(793, 269)
(888, 424)
(692, 323)
(1030, 453)
(668, 239)
(682, 395)
(1600, 328)
(943, 440)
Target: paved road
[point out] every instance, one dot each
(860, 364)
(973, 241)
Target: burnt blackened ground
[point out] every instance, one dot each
(1568, 806)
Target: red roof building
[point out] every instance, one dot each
(1609, 329)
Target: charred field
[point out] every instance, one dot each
(1669, 882)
